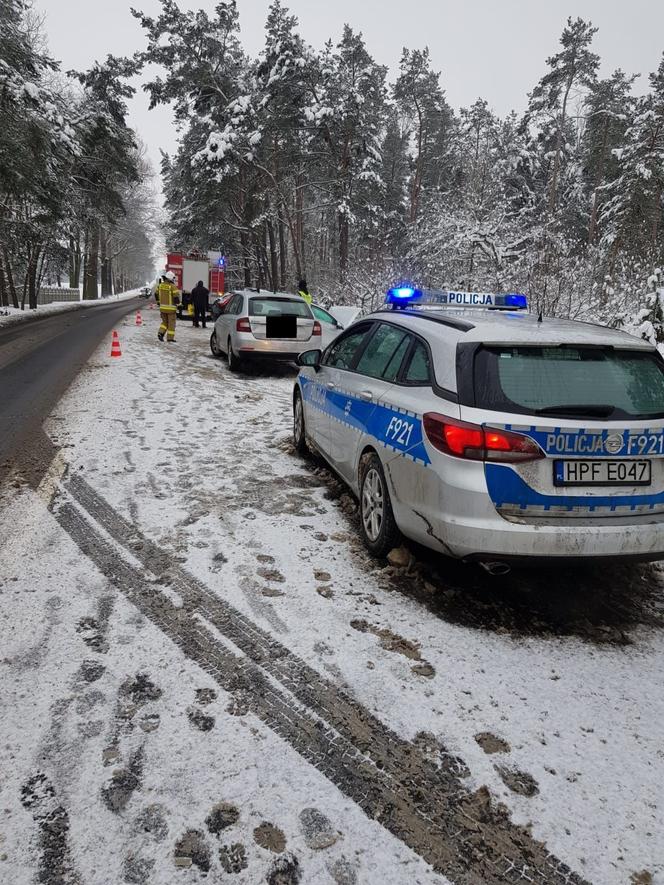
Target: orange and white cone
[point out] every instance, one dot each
(139, 318)
(115, 345)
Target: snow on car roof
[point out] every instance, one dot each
(510, 327)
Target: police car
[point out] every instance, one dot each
(489, 434)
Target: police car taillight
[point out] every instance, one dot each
(473, 442)
(317, 330)
(243, 325)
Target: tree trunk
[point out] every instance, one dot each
(299, 209)
(343, 246)
(267, 274)
(282, 252)
(74, 260)
(9, 277)
(244, 242)
(106, 283)
(417, 178)
(4, 289)
(592, 226)
(655, 217)
(274, 262)
(31, 275)
(90, 290)
(260, 282)
(24, 293)
(559, 146)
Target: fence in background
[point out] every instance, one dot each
(48, 296)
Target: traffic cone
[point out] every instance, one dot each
(139, 318)
(115, 345)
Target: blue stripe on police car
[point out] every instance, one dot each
(395, 429)
(508, 489)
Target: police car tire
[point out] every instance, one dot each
(389, 535)
(214, 345)
(299, 439)
(233, 361)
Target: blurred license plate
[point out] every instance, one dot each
(600, 472)
(281, 326)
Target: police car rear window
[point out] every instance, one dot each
(571, 380)
(259, 307)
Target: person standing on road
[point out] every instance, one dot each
(303, 291)
(168, 297)
(199, 295)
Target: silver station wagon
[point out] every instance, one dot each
(489, 434)
(264, 326)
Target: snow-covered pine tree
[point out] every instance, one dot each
(633, 212)
(428, 120)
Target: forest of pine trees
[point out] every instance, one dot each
(306, 162)
(76, 195)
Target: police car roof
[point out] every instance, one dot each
(509, 327)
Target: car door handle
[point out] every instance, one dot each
(330, 385)
(366, 395)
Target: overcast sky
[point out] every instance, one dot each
(494, 49)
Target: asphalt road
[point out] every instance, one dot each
(38, 361)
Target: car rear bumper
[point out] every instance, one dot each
(531, 544)
(252, 355)
(457, 517)
(247, 347)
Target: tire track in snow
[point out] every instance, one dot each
(428, 808)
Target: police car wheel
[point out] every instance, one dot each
(214, 345)
(377, 524)
(233, 361)
(299, 434)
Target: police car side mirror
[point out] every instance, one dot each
(310, 358)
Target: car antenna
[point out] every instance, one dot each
(540, 316)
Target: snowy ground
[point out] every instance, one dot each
(206, 678)
(11, 315)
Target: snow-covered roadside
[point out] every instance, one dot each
(16, 315)
(202, 466)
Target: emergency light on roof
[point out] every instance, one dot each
(406, 296)
(403, 295)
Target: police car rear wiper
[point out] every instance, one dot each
(599, 411)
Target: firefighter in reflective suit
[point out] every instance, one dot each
(168, 298)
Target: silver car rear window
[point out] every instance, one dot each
(262, 307)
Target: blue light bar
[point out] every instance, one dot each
(402, 293)
(408, 296)
(513, 300)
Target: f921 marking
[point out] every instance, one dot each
(399, 431)
(645, 444)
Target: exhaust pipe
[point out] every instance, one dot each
(496, 569)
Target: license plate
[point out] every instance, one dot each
(281, 326)
(601, 472)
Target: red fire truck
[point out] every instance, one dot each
(191, 267)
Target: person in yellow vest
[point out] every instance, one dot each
(168, 298)
(304, 291)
